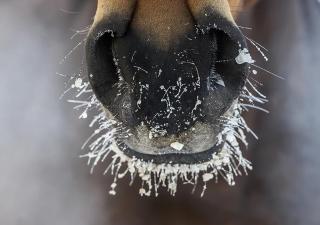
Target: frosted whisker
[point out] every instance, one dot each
(267, 71)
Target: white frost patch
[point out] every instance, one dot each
(221, 82)
(244, 57)
(78, 83)
(177, 146)
(207, 177)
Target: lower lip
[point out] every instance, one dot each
(170, 158)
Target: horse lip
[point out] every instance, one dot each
(170, 158)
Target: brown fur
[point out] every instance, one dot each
(220, 6)
(106, 8)
(163, 30)
(149, 19)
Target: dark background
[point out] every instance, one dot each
(43, 181)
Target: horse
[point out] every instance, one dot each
(50, 184)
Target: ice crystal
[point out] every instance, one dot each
(244, 57)
(178, 146)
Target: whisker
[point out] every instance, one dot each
(256, 90)
(267, 71)
(69, 11)
(257, 43)
(258, 48)
(80, 32)
(72, 51)
(60, 74)
(254, 107)
(246, 28)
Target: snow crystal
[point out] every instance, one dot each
(207, 176)
(78, 83)
(177, 146)
(221, 82)
(244, 57)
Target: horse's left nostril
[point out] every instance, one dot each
(233, 73)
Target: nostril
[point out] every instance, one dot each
(100, 65)
(229, 40)
(232, 73)
(104, 58)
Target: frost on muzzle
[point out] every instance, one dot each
(168, 116)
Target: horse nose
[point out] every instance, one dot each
(170, 83)
(168, 86)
